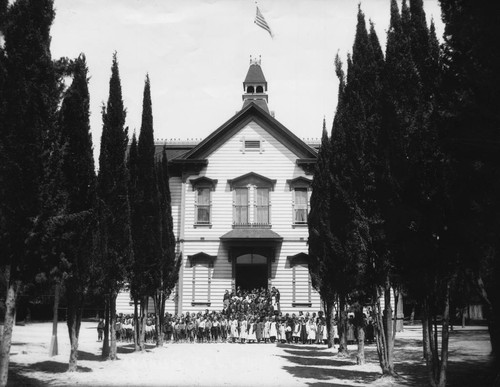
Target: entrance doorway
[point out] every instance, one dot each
(251, 272)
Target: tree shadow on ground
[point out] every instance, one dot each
(316, 352)
(120, 350)
(303, 347)
(19, 375)
(471, 373)
(312, 361)
(309, 362)
(130, 348)
(87, 356)
(327, 374)
(17, 379)
(315, 356)
(54, 367)
(18, 343)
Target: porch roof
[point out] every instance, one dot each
(246, 234)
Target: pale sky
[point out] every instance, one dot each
(197, 55)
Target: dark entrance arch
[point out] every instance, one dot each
(251, 271)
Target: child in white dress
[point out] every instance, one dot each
(267, 328)
(311, 331)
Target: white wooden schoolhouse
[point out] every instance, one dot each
(240, 200)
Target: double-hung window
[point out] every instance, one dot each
(203, 206)
(202, 270)
(300, 206)
(251, 200)
(301, 281)
(300, 188)
(261, 216)
(240, 215)
(203, 188)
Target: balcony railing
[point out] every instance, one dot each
(251, 225)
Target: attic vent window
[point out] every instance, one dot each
(252, 145)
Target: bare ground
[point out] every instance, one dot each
(238, 364)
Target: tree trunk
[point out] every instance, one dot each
(438, 365)
(389, 330)
(425, 333)
(429, 344)
(53, 349)
(398, 313)
(384, 335)
(412, 315)
(159, 301)
(342, 327)
(74, 321)
(142, 323)
(105, 341)
(493, 304)
(494, 326)
(330, 322)
(136, 326)
(445, 337)
(9, 322)
(112, 325)
(360, 326)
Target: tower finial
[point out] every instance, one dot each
(255, 61)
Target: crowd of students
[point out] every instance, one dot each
(247, 317)
(245, 328)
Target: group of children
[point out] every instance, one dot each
(245, 328)
(257, 301)
(247, 317)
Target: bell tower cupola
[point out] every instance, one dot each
(255, 86)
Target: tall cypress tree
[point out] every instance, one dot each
(421, 45)
(135, 270)
(353, 166)
(168, 265)
(471, 137)
(3, 128)
(114, 208)
(80, 184)
(399, 81)
(320, 238)
(415, 205)
(30, 97)
(146, 225)
(346, 218)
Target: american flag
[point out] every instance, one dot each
(261, 22)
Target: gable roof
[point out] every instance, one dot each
(252, 112)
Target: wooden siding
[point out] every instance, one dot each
(275, 161)
(228, 162)
(123, 303)
(175, 184)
